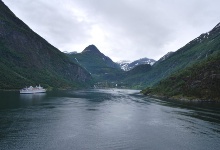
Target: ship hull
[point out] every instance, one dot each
(32, 92)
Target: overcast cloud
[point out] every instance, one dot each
(121, 29)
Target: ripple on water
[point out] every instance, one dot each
(106, 119)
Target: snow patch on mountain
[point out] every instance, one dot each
(127, 65)
(124, 64)
(69, 53)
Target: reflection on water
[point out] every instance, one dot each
(29, 99)
(32, 97)
(105, 119)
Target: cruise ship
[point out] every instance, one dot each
(32, 90)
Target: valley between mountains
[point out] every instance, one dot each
(191, 72)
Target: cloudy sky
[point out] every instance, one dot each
(121, 29)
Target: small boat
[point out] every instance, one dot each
(32, 90)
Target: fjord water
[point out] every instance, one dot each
(105, 119)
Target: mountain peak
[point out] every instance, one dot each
(20, 48)
(127, 65)
(91, 48)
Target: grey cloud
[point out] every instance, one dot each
(56, 24)
(133, 29)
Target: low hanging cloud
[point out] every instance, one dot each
(121, 29)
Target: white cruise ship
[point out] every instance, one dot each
(31, 90)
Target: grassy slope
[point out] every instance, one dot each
(200, 81)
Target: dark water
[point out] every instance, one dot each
(105, 120)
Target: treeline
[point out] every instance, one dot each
(200, 81)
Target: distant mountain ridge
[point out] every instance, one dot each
(124, 64)
(28, 59)
(93, 51)
(198, 78)
(207, 44)
(66, 52)
(91, 58)
(128, 65)
(99, 65)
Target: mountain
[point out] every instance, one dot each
(200, 48)
(127, 65)
(143, 68)
(199, 81)
(124, 64)
(28, 59)
(164, 57)
(66, 52)
(99, 65)
(133, 77)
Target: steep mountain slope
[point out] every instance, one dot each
(164, 57)
(205, 45)
(200, 81)
(99, 65)
(26, 58)
(133, 77)
(124, 64)
(143, 68)
(127, 65)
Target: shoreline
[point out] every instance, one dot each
(182, 99)
(10, 90)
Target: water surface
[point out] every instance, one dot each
(111, 119)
